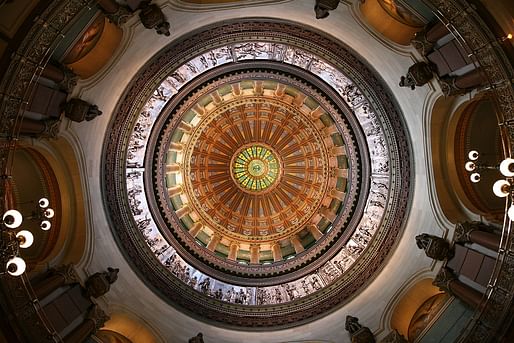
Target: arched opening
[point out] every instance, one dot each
(412, 300)
(457, 129)
(49, 170)
(392, 19)
(123, 328)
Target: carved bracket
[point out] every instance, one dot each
(79, 110)
(419, 74)
(323, 7)
(152, 17)
(443, 280)
(358, 333)
(435, 247)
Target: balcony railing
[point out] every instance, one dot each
(16, 87)
(468, 28)
(25, 312)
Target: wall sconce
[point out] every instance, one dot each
(12, 239)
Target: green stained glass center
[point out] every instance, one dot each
(255, 168)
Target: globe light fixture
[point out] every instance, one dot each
(12, 238)
(501, 188)
(43, 202)
(16, 266)
(45, 225)
(475, 177)
(26, 238)
(510, 212)
(507, 167)
(12, 219)
(473, 155)
(49, 213)
(475, 168)
(505, 188)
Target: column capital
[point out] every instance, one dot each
(464, 229)
(358, 333)
(443, 279)
(67, 272)
(97, 316)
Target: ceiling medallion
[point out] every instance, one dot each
(219, 226)
(255, 168)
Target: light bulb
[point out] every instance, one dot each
(45, 225)
(501, 188)
(473, 155)
(475, 177)
(470, 166)
(43, 202)
(26, 238)
(49, 213)
(12, 219)
(507, 167)
(16, 266)
(510, 212)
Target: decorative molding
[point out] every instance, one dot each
(493, 316)
(336, 291)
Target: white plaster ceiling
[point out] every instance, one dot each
(406, 263)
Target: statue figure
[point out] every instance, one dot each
(78, 110)
(323, 7)
(278, 296)
(99, 283)
(419, 74)
(196, 339)
(352, 325)
(193, 282)
(435, 247)
(315, 283)
(152, 18)
(205, 286)
(407, 81)
(218, 294)
(358, 333)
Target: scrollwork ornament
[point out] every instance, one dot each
(97, 316)
(443, 279)
(68, 272)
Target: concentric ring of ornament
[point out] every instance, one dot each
(253, 230)
(268, 119)
(341, 274)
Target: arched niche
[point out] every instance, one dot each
(457, 128)
(123, 327)
(33, 178)
(426, 314)
(108, 336)
(94, 48)
(50, 167)
(410, 302)
(477, 129)
(392, 19)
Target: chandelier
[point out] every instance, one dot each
(13, 238)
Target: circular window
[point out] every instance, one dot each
(255, 168)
